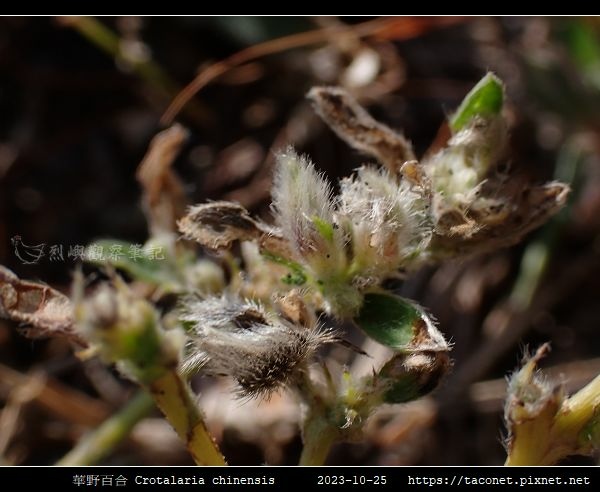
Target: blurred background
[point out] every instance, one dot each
(81, 98)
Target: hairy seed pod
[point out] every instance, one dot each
(260, 350)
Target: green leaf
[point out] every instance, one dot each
(296, 275)
(390, 320)
(324, 228)
(485, 100)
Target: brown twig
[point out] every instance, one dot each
(382, 28)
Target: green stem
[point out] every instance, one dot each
(175, 399)
(579, 409)
(96, 32)
(97, 445)
(319, 436)
(553, 435)
(110, 42)
(318, 432)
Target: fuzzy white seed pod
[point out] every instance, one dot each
(239, 338)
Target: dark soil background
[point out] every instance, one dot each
(79, 106)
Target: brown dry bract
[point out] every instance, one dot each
(293, 308)
(217, 225)
(45, 311)
(487, 230)
(163, 196)
(356, 126)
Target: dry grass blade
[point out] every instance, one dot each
(164, 197)
(45, 311)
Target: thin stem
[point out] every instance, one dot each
(318, 432)
(97, 445)
(147, 69)
(319, 436)
(110, 42)
(174, 398)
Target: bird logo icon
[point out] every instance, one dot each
(29, 255)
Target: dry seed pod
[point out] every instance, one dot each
(237, 338)
(498, 225)
(217, 225)
(44, 311)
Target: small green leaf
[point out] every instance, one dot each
(485, 99)
(294, 278)
(389, 319)
(296, 275)
(324, 228)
